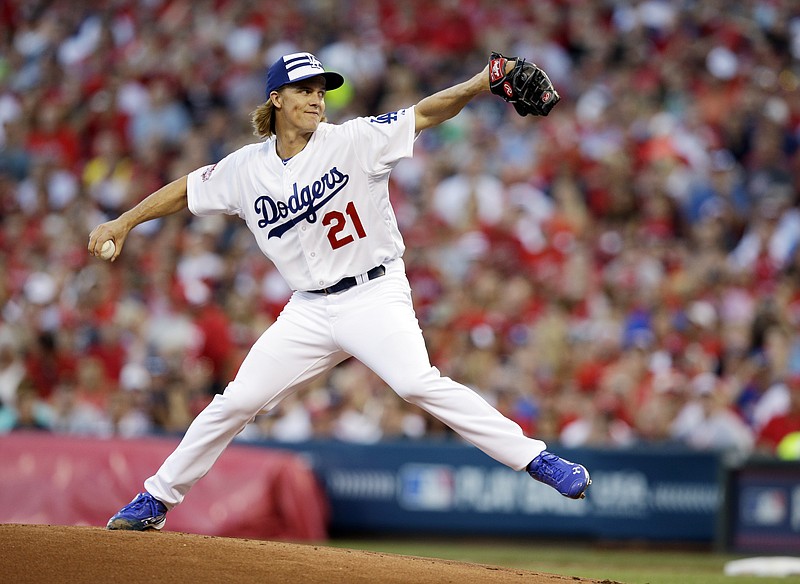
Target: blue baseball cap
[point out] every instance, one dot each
(296, 67)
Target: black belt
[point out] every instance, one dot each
(350, 281)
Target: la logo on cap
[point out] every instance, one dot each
(300, 65)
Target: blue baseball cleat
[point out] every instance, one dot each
(144, 512)
(568, 478)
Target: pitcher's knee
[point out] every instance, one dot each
(415, 387)
(235, 405)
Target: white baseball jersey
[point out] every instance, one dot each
(325, 213)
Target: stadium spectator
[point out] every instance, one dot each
(708, 422)
(12, 369)
(31, 413)
(783, 424)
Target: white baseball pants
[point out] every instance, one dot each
(375, 323)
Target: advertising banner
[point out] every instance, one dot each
(763, 507)
(453, 488)
(69, 480)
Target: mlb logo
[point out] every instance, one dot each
(764, 506)
(426, 487)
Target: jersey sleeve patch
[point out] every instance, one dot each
(386, 118)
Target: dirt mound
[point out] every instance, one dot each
(84, 555)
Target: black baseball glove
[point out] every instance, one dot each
(527, 87)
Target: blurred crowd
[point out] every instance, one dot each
(623, 272)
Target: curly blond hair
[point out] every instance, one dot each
(263, 120)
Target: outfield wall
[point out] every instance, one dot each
(450, 488)
(311, 490)
(66, 480)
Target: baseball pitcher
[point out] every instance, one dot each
(315, 196)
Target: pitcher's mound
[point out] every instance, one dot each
(88, 555)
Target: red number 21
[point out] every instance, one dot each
(338, 222)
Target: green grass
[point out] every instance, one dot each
(629, 565)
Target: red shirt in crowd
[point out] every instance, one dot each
(778, 428)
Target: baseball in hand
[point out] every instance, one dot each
(108, 249)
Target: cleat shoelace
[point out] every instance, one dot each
(548, 469)
(551, 470)
(147, 504)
